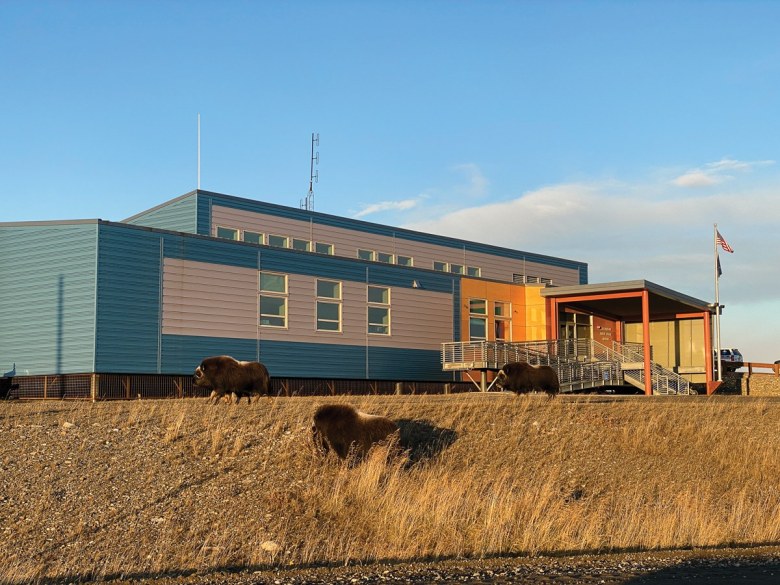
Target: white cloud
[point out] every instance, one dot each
(382, 206)
(477, 186)
(717, 172)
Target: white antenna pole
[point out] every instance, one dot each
(198, 150)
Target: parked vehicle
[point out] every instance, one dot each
(730, 355)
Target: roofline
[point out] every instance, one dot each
(49, 222)
(511, 251)
(627, 286)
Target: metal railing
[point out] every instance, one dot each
(580, 363)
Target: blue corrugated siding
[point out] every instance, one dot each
(47, 298)
(180, 215)
(373, 228)
(128, 300)
(181, 354)
(584, 274)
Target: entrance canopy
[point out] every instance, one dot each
(623, 300)
(632, 301)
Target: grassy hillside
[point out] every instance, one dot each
(146, 487)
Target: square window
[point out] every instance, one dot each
(474, 271)
(404, 261)
(478, 306)
(273, 311)
(328, 316)
(379, 294)
(384, 257)
(273, 282)
(501, 309)
(456, 268)
(365, 254)
(440, 266)
(379, 320)
(328, 289)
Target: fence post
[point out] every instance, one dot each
(447, 388)
(399, 388)
(93, 386)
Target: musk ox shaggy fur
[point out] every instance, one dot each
(522, 377)
(344, 428)
(225, 375)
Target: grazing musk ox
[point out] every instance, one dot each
(225, 375)
(522, 377)
(342, 427)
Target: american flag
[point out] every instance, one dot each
(723, 243)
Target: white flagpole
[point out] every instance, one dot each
(717, 304)
(198, 151)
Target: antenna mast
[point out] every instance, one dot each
(307, 203)
(198, 150)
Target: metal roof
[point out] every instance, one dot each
(619, 299)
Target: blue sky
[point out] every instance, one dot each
(615, 133)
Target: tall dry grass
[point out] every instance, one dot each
(150, 487)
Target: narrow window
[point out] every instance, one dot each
(502, 312)
(477, 320)
(302, 245)
(273, 299)
(365, 254)
(384, 257)
(278, 241)
(379, 310)
(328, 305)
(253, 237)
(227, 233)
(323, 248)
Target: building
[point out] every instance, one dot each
(309, 294)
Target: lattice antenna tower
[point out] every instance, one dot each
(307, 202)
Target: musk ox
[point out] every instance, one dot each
(225, 375)
(342, 427)
(522, 377)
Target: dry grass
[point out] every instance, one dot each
(143, 488)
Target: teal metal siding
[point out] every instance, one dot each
(181, 354)
(47, 298)
(180, 215)
(128, 309)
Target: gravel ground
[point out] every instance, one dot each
(760, 566)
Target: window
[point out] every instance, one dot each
(384, 257)
(404, 261)
(253, 237)
(503, 314)
(273, 299)
(456, 268)
(365, 254)
(440, 266)
(323, 248)
(477, 320)
(227, 233)
(302, 245)
(379, 310)
(474, 271)
(328, 311)
(278, 241)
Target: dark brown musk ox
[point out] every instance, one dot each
(347, 430)
(225, 375)
(522, 377)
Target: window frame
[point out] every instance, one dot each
(272, 294)
(331, 250)
(260, 237)
(286, 240)
(385, 306)
(236, 231)
(306, 248)
(371, 255)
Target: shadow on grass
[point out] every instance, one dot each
(423, 440)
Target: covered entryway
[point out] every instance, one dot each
(668, 327)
